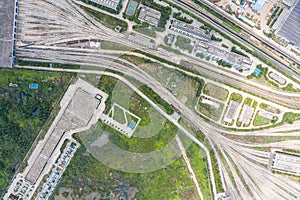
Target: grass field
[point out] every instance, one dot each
(23, 112)
(119, 115)
(199, 164)
(259, 121)
(106, 20)
(236, 97)
(184, 43)
(215, 91)
(143, 145)
(248, 101)
(86, 177)
(210, 111)
(149, 31)
(114, 46)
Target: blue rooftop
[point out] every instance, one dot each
(132, 124)
(257, 71)
(33, 86)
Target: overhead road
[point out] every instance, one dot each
(244, 41)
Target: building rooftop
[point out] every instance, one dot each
(246, 114)
(288, 3)
(281, 19)
(190, 30)
(286, 162)
(259, 4)
(292, 22)
(149, 16)
(113, 4)
(277, 78)
(231, 112)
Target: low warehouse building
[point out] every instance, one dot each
(286, 162)
(191, 31)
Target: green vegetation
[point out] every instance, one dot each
(236, 97)
(273, 17)
(224, 45)
(106, 20)
(214, 38)
(260, 121)
(107, 84)
(215, 91)
(198, 162)
(233, 49)
(200, 86)
(135, 16)
(23, 112)
(200, 55)
(184, 43)
(119, 7)
(165, 11)
(290, 117)
(291, 151)
(145, 29)
(141, 108)
(85, 175)
(170, 49)
(264, 72)
(142, 145)
(254, 105)
(210, 111)
(290, 88)
(119, 115)
(269, 108)
(180, 18)
(201, 137)
(45, 64)
(114, 46)
(248, 101)
(166, 39)
(224, 64)
(157, 99)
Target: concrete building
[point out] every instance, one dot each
(286, 162)
(211, 103)
(215, 53)
(281, 19)
(231, 111)
(266, 114)
(113, 4)
(277, 78)
(149, 15)
(191, 31)
(246, 114)
(290, 30)
(288, 3)
(258, 5)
